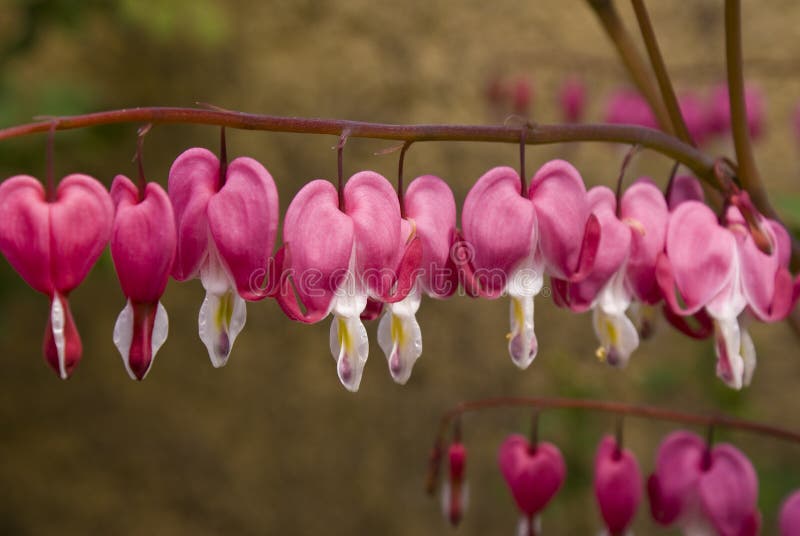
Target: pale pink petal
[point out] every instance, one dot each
(371, 202)
(699, 259)
(562, 211)
(628, 107)
(193, 180)
(243, 220)
(498, 227)
(644, 209)
(319, 241)
(429, 202)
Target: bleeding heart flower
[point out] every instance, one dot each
(701, 269)
(455, 491)
(143, 248)
(226, 222)
(430, 213)
(695, 114)
(704, 490)
(789, 521)
(534, 475)
(340, 257)
(617, 485)
(604, 288)
(628, 107)
(53, 244)
(510, 241)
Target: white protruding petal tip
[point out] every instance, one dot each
(350, 349)
(123, 336)
(221, 319)
(58, 322)
(617, 335)
(522, 343)
(400, 338)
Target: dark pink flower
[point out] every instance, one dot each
(534, 474)
(704, 490)
(789, 521)
(617, 485)
(53, 244)
(143, 243)
(719, 120)
(695, 114)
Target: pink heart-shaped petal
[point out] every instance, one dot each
(243, 220)
(729, 492)
(534, 475)
(143, 239)
(499, 228)
(617, 485)
(193, 180)
(678, 468)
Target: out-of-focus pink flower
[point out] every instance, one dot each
(52, 244)
(629, 107)
(789, 520)
(226, 225)
(704, 490)
(522, 96)
(143, 243)
(695, 114)
(534, 474)
(430, 214)
(455, 491)
(572, 99)
(617, 485)
(719, 120)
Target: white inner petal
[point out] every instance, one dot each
(522, 343)
(728, 344)
(123, 335)
(400, 337)
(617, 335)
(748, 353)
(57, 322)
(350, 348)
(221, 319)
(614, 298)
(161, 330)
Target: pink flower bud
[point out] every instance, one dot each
(617, 485)
(455, 493)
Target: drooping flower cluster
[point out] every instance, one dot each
(366, 251)
(699, 488)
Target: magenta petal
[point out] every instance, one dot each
(729, 492)
(406, 273)
(700, 257)
(319, 239)
(678, 468)
(142, 240)
(429, 202)
(25, 231)
(701, 329)
(372, 204)
(643, 207)
(628, 107)
(193, 179)
(617, 485)
(562, 210)
(243, 220)
(789, 520)
(80, 225)
(533, 475)
(684, 188)
(498, 228)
